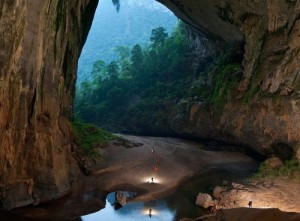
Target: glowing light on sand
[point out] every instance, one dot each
(256, 204)
(263, 207)
(149, 180)
(146, 211)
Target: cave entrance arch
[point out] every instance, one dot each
(114, 33)
(40, 45)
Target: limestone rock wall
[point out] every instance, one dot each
(40, 42)
(271, 76)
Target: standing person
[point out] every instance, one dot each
(250, 204)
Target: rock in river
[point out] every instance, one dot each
(120, 198)
(204, 200)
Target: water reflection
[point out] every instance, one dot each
(174, 207)
(154, 210)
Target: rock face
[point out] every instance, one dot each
(39, 47)
(252, 214)
(266, 107)
(262, 194)
(217, 192)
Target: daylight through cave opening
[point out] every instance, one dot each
(139, 63)
(129, 53)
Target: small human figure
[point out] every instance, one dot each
(250, 204)
(152, 179)
(150, 213)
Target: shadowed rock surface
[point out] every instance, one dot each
(270, 80)
(39, 47)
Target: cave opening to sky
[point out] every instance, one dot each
(130, 25)
(135, 60)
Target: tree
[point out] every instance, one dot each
(137, 58)
(124, 61)
(139, 84)
(117, 4)
(113, 70)
(158, 37)
(98, 71)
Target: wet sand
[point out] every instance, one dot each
(131, 169)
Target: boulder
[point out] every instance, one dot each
(237, 185)
(204, 200)
(273, 163)
(217, 192)
(120, 198)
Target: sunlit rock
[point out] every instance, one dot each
(204, 200)
(217, 192)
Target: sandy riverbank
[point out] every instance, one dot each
(131, 169)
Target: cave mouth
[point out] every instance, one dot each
(120, 45)
(140, 63)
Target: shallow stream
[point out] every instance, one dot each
(169, 199)
(180, 204)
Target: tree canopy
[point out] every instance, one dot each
(138, 82)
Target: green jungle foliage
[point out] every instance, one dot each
(88, 137)
(290, 170)
(129, 26)
(139, 82)
(217, 84)
(138, 91)
(228, 73)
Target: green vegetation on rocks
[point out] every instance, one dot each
(225, 73)
(290, 170)
(227, 77)
(89, 137)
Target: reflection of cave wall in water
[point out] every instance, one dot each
(39, 47)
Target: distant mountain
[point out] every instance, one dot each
(131, 25)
